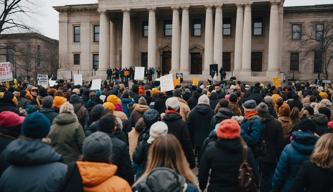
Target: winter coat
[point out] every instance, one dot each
(98, 177)
(93, 127)
(178, 128)
(312, 178)
(125, 103)
(67, 136)
(5, 106)
(137, 113)
(140, 154)
(286, 127)
(184, 109)
(222, 114)
(121, 115)
(198, 123)
(322, 124)
(35, 167)
(133, 136)
(50, 113)
(193, 101)
(251, 131)
(81, 113)
(223, 158)
(213, 100)
(291, 159)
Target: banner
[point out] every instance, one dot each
(6, 73)
(43, 80)
(78, 79)
(139, 73)
(167, 83)
(195, 82)
(96, 84)
(277, 82)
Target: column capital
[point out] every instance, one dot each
(99, 10)
(175, 7)
(218, 5)
(185, 7)
(275, 2)
(151, 8)
(248, 4)
(126, 10)
(239, 5)
(209, 6)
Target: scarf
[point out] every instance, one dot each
(250, 114)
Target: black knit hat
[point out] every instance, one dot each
(306, 125)
(326, 111)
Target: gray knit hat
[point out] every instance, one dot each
(97, 147)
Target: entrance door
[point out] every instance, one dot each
(166, 62)
(196, 63)
(256, 63)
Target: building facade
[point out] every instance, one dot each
(254, 40)
(30, 54)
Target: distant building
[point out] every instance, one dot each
(30, 54)
(252, 39)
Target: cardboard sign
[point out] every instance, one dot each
(277, 82)
(52, 83)
(6, 73)
(195, 82)
(139, 73)
(43, 80)
(167, 83)
(96, 84)
(176, 82)
(78, 79)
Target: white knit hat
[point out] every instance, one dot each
(156, 130)
(172, 103)
(203, 99)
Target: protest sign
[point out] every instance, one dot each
(176, 82)
(195, 82)
(139, 73)
(43, 80)
(78, 79)
(6, 73)
(52, 83)
(277, 82)
(96, 84)
(167, 83)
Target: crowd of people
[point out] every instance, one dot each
(127, 74)
(222, 137)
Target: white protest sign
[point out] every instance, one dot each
(65, 75)
(6, 73)
(78, 79)
(96, 84)
(52, 83)
(43, 80)
(166, 83)
(139, 73)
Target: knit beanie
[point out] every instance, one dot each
(172, 103)
(75, 99)
(228, 129)
(203, 99)
(58, 101)
(76, 91)
(155, 91)
(113, 99)
(233, 98)
(97, 148)
(10, 119)
(47, 102)
(156, 130)
(323, 95)
(262, 109)
(36, 125)
(150, 117)
(306, 125)
(330, 125)
(284, 110)
(326, 111)
(142, 101)
(109, 106)
(97, 112)
(250, 105)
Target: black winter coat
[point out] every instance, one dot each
(223, 158)
(198, 123)
(49, 113)
(35, 167)
(178, 128)
(312, 178)
(222, 114)
(141, 153)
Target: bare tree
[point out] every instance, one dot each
(321, 40)
(10, 12)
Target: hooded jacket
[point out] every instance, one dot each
(137, 113)
(222, 114)
(50, 113)
(125, 103)
(291, 159)
(67, 136)
(198, 123)
(184, 109)
(37, 166)
(81, 113)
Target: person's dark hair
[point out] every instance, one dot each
(224, 103)
(107, 123)
(312, 98)
(125, 94)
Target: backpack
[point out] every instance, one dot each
(162, 179)
(260, 149)
(246, 178)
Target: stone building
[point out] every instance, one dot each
(252, 39)
(30, 54)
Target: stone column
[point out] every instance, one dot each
(104, 47)
(208, 39)
(239, 38)
(175, 40)
(247, 40)
(184, 47)
(126, 55)
(112, 45)
(152, 39)
(218, 36)
(274, 39)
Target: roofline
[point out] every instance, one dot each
(77, 7)
(309, 8)
(32, 34)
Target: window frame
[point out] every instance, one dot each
(258, 20)
(143, 29)
(292, 61)
(93, 61)
(317, 31)
(167, 22)
(226, 23)
(293, 32)
(76, 59)
(196, 22)
(76, 35)
(96, 35)
(315, 60)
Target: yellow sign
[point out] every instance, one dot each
(277, 82)
(195, 82)
(176, 82)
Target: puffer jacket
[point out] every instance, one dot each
(222, 114)
(137, 113)
(67, 136)
(291, 159)
(251, 131)
(81, 113)
(35, 167)
(286, 127)
(184, 109)
(98, 177)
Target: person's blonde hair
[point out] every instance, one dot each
(166, 151)
(322, 155)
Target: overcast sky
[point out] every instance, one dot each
(45, 18)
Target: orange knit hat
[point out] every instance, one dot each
(228, 129)
(113, 99)
(58, 101)
(109, 106)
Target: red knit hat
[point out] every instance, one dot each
(228, 129)
(330, 125)
(10, 119)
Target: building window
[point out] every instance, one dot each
(76, 58)
(294, 61)
(227, 61)
(318, 61)
(144, 59)
(168, 28)
(76, 34)
(258, 26)
(227, 26)
(196, 28)
(256, 61)
(38, 56)
(296, 31)
(96, 33)
(95, 61)
(145, 29)
(319, 31)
